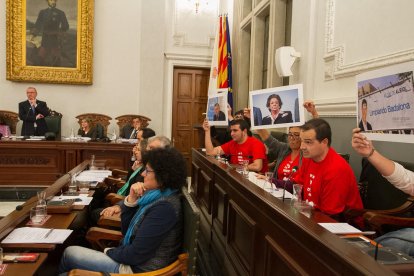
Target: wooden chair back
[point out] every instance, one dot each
(96, 118)
(191, 229)
(9, 118)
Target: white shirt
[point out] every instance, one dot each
(402, 179)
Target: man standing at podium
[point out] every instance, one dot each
(32, 113)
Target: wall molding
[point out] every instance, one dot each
(174, 60)
(180, 38)
(338, 107)
(335, 66)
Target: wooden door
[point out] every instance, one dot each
(190, 101)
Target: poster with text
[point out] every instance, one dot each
(385, 105)
(277, 107)
(217, 113)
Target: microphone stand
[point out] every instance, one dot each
(294, 169)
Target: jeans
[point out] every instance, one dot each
(85, 258)
(402, 240)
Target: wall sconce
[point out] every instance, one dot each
(284, 59)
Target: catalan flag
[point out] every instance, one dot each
(221, 70)
(224, 79)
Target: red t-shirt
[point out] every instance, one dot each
(251, 149)
(286, 166)
(330, 184)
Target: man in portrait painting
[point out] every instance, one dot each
(47, 38)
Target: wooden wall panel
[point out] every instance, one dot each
(184, 86)
(40, 163)
(240, 239)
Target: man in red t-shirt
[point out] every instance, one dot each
(242, 147)
(328, 181)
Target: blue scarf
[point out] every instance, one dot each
(148, 198)
(124, 188)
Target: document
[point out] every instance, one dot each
(340, 228)
(81, 199)
(260, 183)
(37, 235)
(93, 175)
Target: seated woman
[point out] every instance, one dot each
(134, 175)
(152, 223)
(86, 129)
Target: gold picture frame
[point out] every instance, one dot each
(37, 53)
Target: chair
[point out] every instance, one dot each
(96, 118)
(186, 262)
(9, 118)
(386, 207)
(53, 122)
(345, 156)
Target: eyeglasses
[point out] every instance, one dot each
(146, 171)
(294, 135)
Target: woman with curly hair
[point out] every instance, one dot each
(152, 222)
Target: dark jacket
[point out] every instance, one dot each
(28, 117)
(282, 118)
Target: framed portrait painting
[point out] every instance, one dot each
(50, 41)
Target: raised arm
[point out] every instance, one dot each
(311, 108)
(364, 147)
(210, 149)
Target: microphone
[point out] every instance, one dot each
(19, 207)
(294, 169)
(25, 123)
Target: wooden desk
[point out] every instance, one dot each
(246, 231)
(41, 163)
(20, 217)
(14, 269)
(57, 221)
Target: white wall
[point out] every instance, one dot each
(340, 39)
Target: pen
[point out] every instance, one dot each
(48, 233)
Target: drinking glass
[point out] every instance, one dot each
(73, 188)
(84, 187)
(92, 165)
(36, 215)
(41, 195)
(1, 255)
(297, 194)
(245, 164)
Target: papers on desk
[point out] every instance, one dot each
(130, 141)
(81, 199)
(260, 183)
(37, 235)
(93, 176)
(340, 228)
